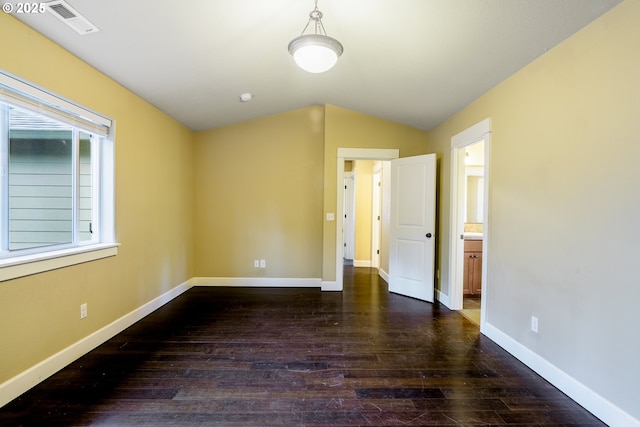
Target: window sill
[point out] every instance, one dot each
(27, 265)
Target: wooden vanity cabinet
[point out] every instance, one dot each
(472, 280)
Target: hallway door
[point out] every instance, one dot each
(412, 226)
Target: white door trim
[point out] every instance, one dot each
(479, 131)
(352, 154)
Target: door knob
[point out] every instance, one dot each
(428, 235)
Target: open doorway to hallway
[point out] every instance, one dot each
(410, 219)
(364, 201)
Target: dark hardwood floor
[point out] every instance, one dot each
(297, 357)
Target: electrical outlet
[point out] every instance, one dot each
(83, 310)
(534, 324)
(256, 263)
(263, 263)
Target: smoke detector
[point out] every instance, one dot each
(246, 97)
(64, 12)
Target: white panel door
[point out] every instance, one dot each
(412, 226)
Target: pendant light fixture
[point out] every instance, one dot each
(317, 52)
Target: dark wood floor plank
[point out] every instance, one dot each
(297, 357)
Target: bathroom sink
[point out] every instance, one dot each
(472, 236)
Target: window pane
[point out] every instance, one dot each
(40, 181)
(86, 189)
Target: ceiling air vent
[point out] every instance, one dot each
(61, 10)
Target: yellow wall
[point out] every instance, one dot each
(364, 209)
(272, 207)
(564, 203)
(261, 186)
(39, 314)
(350, 129)
(259, 192)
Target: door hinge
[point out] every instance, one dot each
(378, 251)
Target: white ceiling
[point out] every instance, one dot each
(414, 62)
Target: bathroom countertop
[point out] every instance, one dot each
(472, 236)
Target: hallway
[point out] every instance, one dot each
(297, 357)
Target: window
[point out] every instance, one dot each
(56, 181)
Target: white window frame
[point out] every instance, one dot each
(21, 94)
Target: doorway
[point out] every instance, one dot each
(349, 214)
(376, 213)
(469, 220)
(411, 251)
(355, 154)
(362, 212)
(473, 201)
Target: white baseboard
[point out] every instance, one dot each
(589, 399)
(265, 282)
(383, 274)
(593, 402)
(443, 299)
(362, 263)
(333, 286)
(24, 381)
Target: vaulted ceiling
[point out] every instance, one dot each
(414, 62)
